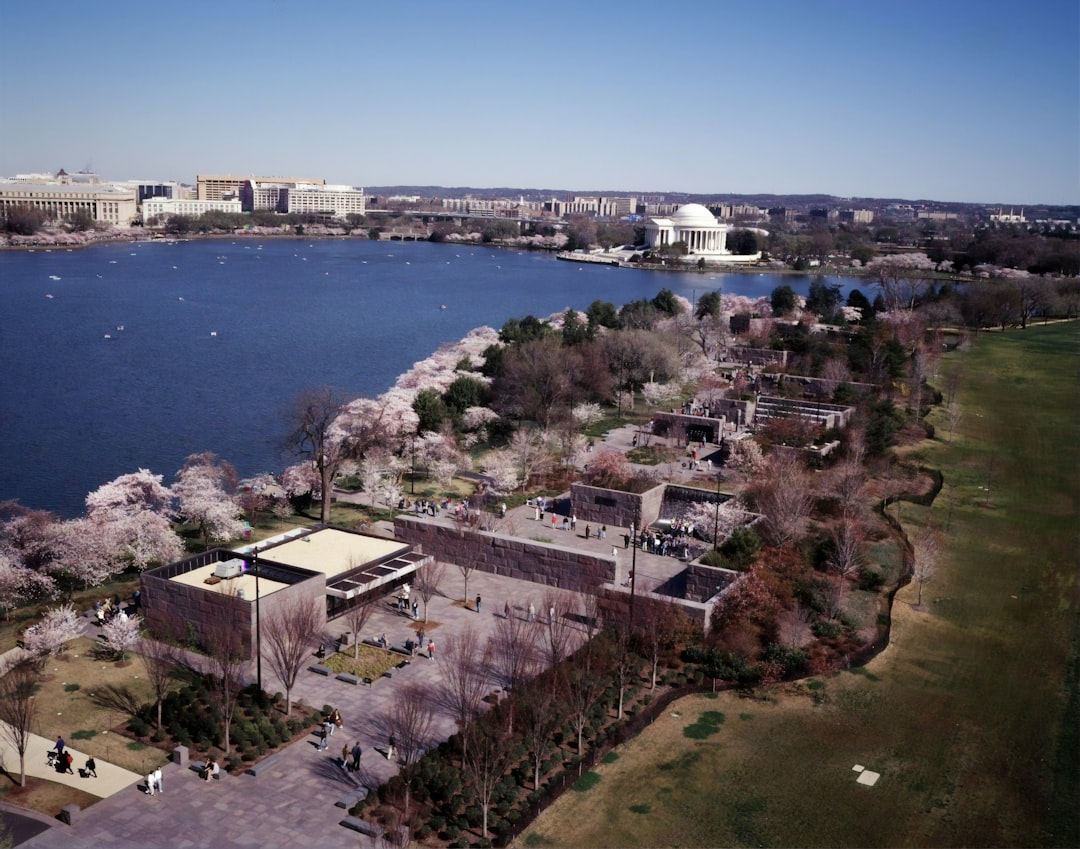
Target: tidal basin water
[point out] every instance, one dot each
(120, 357)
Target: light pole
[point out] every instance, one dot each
(258, 623)
(716, 515)
(633, 564)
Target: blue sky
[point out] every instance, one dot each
(959, 100)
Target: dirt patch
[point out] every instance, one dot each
(45, 797)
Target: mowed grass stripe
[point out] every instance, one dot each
(970, 715)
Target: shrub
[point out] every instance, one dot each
(587, 781)
(138, 727)
(473, 816)
(827, 629)
(870, 580)
(84, 734)
(451, 832)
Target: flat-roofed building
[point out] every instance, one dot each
(106, 204)
(214, 186)
(332, 568)
(158, 207)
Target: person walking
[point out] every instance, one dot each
(149, 784)
(477, 603)
(60, 745)
(327, 730)
(431, 649)
(91, 768)
(356, 753)
(68, 761)
(587, 531)
(506, 610)
(157, 781)
(345, 756)
(415, 610)
(532, 612)
(391, 749)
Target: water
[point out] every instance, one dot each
(219, 335)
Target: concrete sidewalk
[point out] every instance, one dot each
(110, 779)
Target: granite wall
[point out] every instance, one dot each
(526, 560)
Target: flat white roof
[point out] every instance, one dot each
(332, 551)
(243, 584)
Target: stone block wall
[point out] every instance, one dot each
(526, 560)
(170, 606)
(705, 582)
(615, 508)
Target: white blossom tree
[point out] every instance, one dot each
(121, 635)
(18, 584)
(586, 414)
(130, 494)
(204, 494)
(502, 468)
(48, 638)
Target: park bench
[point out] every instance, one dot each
(197, 767)
(265, 764)
(348, 678)
(319, 669)
(363, 826)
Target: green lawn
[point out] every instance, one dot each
(970, 716)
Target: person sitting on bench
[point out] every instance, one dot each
(210, 769)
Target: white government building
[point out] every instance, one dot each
(696, 227)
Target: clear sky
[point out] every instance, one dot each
(957, 100)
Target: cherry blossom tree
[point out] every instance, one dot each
(19, 584)
(586, 414)
(204, 492)
(902, 278)
(121, 635)
(130, 494)
(49, 637)
(502, 468)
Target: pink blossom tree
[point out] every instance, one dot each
(205, 497)
(19, 584)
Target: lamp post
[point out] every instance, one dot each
(716, 515)
(258, 622)
(633, 564)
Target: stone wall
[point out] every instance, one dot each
(706, 582)
(615, 508)
(526, 560)
(190, 611)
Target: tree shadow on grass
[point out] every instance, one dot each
(117, 697)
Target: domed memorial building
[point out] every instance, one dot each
(697, 228)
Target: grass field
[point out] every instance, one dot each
(971, 715)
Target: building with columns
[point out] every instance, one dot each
(697, 228)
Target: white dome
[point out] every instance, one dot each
(693, 215)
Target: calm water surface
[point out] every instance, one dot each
(218, 336)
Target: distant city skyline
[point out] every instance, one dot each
(966, 101)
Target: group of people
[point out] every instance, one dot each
(211, 769)
(60, 759)
(108, 609)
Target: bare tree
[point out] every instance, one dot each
(466, 568)
(661, 624)
(225, 653)
(426, 581)
(490, 752)
(848, 539)
(512, 654)
(541, 719)
(464, 681)
(560, 630)
(926, 552)
(584, 686)
(357, 615)
(160, 659)
(411, 718)
(17, 709)
(288, 635)
(784, 495)
(312, 434)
